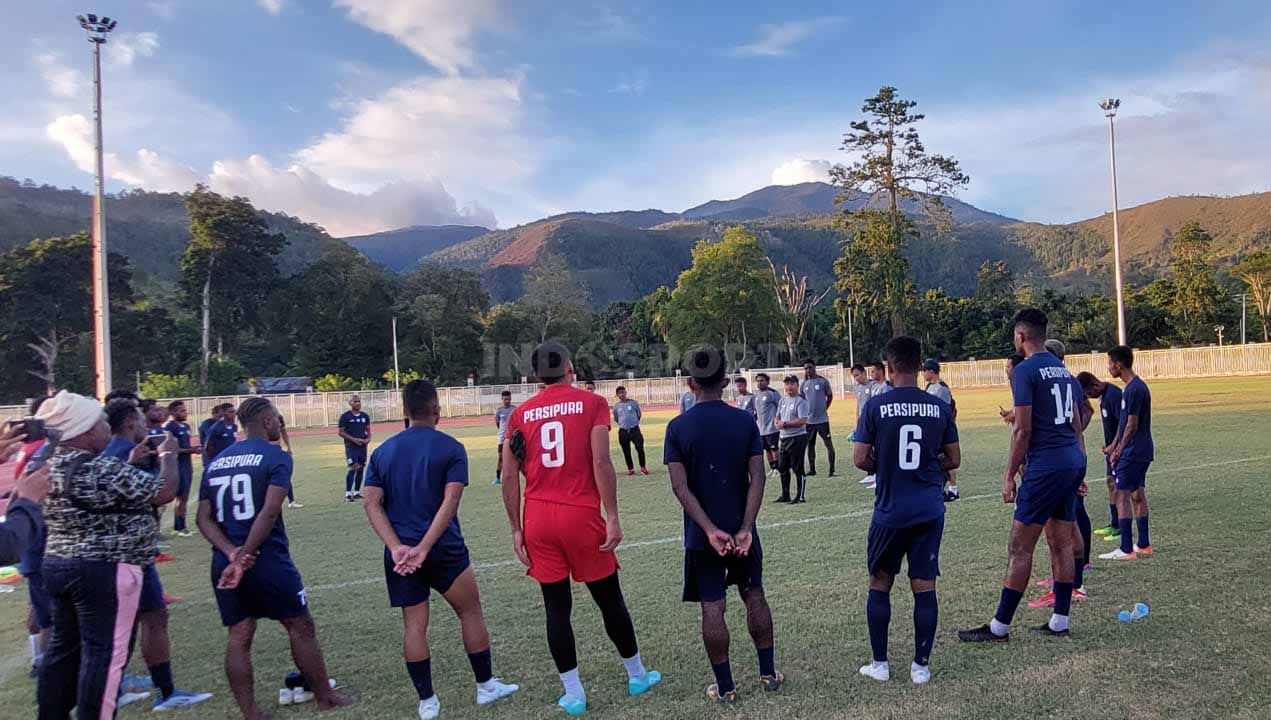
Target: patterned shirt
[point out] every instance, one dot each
(99, 508)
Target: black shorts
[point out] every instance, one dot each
(822, 429)
(444, 564)
(272, 589)
(708, 575)
(185, 477)
(772, 441)
(354, 454)
(1049, 495)
(919, 544)
(151, 590)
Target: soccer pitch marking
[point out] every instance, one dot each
(679, 538)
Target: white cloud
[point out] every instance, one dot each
(165, 9)
(145, 169)
(776, 40)
(273, 7)
(801, 170)
(60, 80)
(632, 83)
(125, 48)
(439, 31)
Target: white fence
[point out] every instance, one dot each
(309, 410)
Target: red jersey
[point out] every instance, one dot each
(556, 424)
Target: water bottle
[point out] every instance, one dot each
(1124, 616)
(1140, 611)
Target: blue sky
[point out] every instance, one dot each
(364, 115)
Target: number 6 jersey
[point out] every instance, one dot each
(1044, 384)
(908, 429)
(556, 424)
(235, 484)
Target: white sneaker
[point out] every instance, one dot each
(920, 674)
(1118, 555)
(295, 505)
(877, 671)
(429, 709)
(494, 691)
(128, 698)
(285, 696)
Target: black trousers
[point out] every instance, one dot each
(627, 438)
(790, 459)
(94, 608)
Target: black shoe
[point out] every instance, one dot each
(810, 473)
(800, 500)
(981, 634)
(832, 473)
(948, 497)
(1045, 631)
(783, 499)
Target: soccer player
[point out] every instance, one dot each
(240, 513)
(284, 442)
(1131, 454)
(128, 430)
(909, 440)
(560, 440)
(1012, 362)
(179, 428)
(1109, 397)
(745, 399)
(864, 389)
(355, 428)
(221, 434)
(939, 388)
(501, 415)
(205, 427)
(589, 385)
(715, 459)
(687, 400)
(414, 483)
(1046, 441)
(767, 400)
(817, 391)
(791, 422)
(626, 413)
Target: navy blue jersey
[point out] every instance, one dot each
(204, 428)
(236, 482)
(908, 429)
(181, 431)
(714, 441)
(1044, 384)
(413, 469)
(219, 437)
(118, 448)
(1137, 401)
(356, 424)
(1110, 410)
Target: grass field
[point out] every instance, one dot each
(1203, 653)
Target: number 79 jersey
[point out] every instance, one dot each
(556, 426)
(235, 483)
(1044, 384)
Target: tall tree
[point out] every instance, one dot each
(1195, 289)
(795, 304)
(872, 275)
(1255, 271)
(440, 318)
(890, 161)
(230, 261)
(554, 300)
(995, 281)
(725, 297)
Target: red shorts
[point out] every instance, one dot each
(564, 541)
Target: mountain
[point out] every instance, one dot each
(817, 198)
(402, 249)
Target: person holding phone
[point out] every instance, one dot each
(23, 525)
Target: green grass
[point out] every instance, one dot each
(1204, 651)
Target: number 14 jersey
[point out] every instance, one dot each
(235, 483)
(1044, 384)
(556, 424)
(908, 429)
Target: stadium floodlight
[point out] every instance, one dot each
(98, 28)
(1110, 107)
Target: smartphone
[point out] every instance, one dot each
(32, 427)
(42, 455)
(154, 441)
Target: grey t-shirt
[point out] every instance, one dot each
(792, 408)
(627, 414)
(766, 402)
(501, 415)
(817, 392)
(863, 394)
(940, 390)
(746, 402)
(687, 400)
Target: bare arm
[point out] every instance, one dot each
(449, 508)
(688, 501)
(1123, 439)
(373, 504)
(286, 441)
(512, 497)
(862, 457)
(1021, 433)
(754, 498)
(212, 531)
(169, 475)
(275, 496)
(607, 484)
(952, 457)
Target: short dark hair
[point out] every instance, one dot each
(128, 395)
(879, 364)
(590, 382)
(118, 411)
(707, 366)
(36, 403)
(1015, 359)
(224, 406)
(740, 379)
(620, 388)
(549, 361)
(146, 403)
(905, 354)
(172, 406)
(791, 379)
(419, 397)
(1033, 320)
(809, 361)
(858, 366)
(762, 375)
(506, 393)
(1123, 355)
(252, 408)
(1086, 379)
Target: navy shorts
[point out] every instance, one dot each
(1107, 464)
(272, 589)
(354, 454)
(918, 544)
(185, 477)
(151, 590)
(444, 564)
(1131, 474)
(772, 441)
(707, 575)
(41, 603)
(1049, 495)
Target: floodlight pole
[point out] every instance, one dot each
(97, 29)
(1110, 110)
(397, 373)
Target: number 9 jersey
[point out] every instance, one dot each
(556, 426)
(235, 484)
(1044, 384)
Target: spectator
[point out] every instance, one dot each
(23, 524)
(101, 531)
